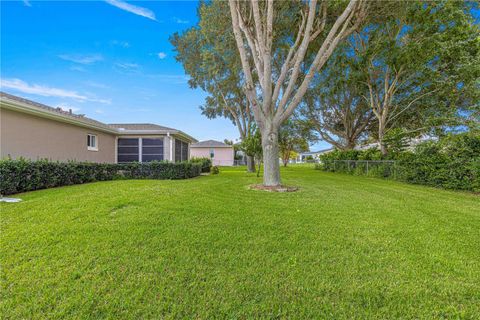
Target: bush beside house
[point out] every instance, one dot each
(453, 162)
(26, 175)
(205, 162)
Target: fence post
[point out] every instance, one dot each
(334, 166)
(367, 167)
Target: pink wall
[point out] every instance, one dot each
(223, 156)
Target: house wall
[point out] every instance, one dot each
(223, 156)
(31, 137)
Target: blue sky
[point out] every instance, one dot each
(110, 60)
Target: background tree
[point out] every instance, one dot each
(334, 109)
(208, 54)
(419, 64)
(253, 145)
(273, 39)
(292, 138)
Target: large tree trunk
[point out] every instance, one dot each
(271, 163)
(350, 145)
(381, 141)
(383, 148)
(250, 164)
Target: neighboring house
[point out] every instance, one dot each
(35, 131)
(221, 153)
(410, 143)
(311, 156)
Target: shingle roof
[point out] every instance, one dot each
(59, 111)
(211, 144)
(138, 126)
(80, 119)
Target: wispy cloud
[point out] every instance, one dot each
(123, 44)
(127, 65)
(27, 3)
(127, 68)
(82, 59)
(170, 78)
(78, 68)
(99, 111)
(96, 85)
(144, 12)
(162, 55)
(46, 91)
(180, 21)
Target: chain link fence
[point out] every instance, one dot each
(374, 168)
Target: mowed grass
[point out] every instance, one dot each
(342, 247)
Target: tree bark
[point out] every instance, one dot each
(381, 142)
(271, 163)
(254, 42)
(250, 164)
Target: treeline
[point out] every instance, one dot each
(413, 72)
(453, 162)
(345, 72)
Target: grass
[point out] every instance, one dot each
(341, 247)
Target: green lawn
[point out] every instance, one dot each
(341, 247)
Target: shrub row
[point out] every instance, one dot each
(452, 162)
(27, 175)
(205, 162)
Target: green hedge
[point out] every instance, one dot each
(452, 162)
(27, 175)
(205, 162)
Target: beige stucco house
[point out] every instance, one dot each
(221, 153)
(35, 131)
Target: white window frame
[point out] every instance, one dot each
(212, 152)
(94, 147)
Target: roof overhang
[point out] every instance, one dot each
(211, 146)
(18, 106)
(175, 133)
(22, 107)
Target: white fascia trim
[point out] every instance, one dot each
(143, 132)
(200, 147)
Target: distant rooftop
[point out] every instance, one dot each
(317, 152)
(211, 144)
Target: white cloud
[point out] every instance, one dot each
(170, 78)
(27, 3)
(144, 12)
(99, 111)
(78, 68)
(127, 65)
(96, 85)
(123, 44)
(162, 55)
(82, 59)
(41, 90)
(181, 21)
